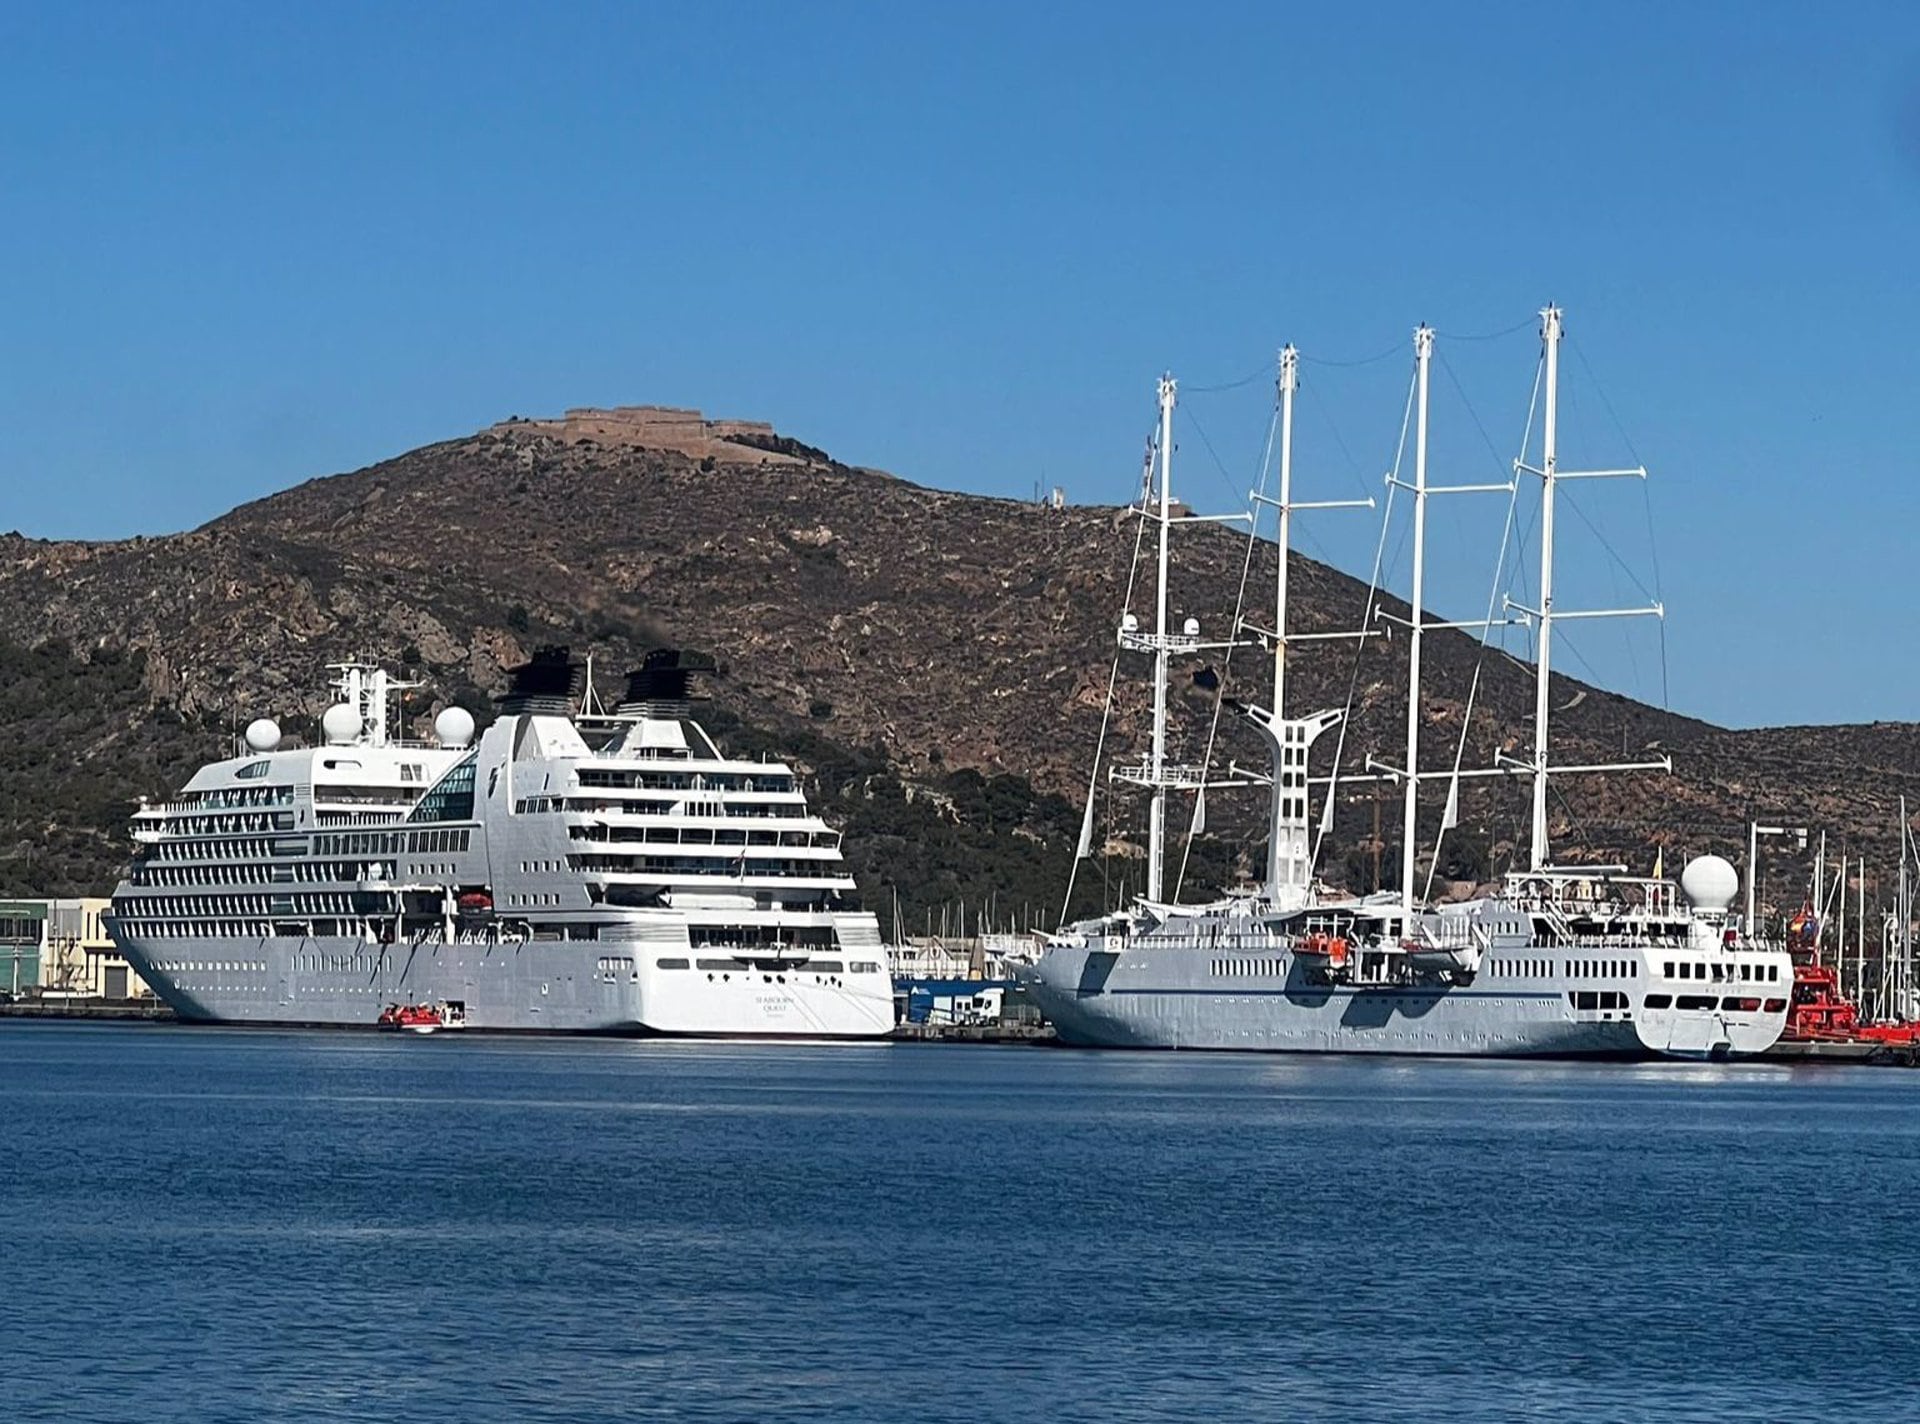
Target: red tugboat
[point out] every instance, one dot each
(423, 1018)
(1821, 1021)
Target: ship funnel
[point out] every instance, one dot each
(662, 686)
(548, 684)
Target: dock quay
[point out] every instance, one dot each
(1008, 1032)
(1852, 1050)
(135, 1010)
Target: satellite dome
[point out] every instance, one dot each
(340, 725)
(1709, 883)
(1193, 627)
(454, 727)
(263, 734)
(1129, 624)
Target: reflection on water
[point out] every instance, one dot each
(206, 1224)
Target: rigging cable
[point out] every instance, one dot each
(1368, 614)
(1490, 335)
(1197, 824)
(1348, 365)
(1324, 412)
(1486, 630)
(1246, 380)
(1646, 498)
(1106, 712)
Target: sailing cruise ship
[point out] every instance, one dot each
(1562, 961)
(574, 870)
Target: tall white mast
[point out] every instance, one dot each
(1905, 972)
(1549, 462)
(1820, 890)
(1290, 739)
(1409, 845)
(1840, 924)
(1157, 813)
(1550, 473)
(1289, 382)
(1860, 936)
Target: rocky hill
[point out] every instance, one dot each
(936, 661)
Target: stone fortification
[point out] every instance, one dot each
(664, 427)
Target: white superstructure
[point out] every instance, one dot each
(572, 870)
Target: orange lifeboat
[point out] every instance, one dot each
(1323, 952)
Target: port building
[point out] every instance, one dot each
(58, 948)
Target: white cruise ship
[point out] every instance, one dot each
(575, 870)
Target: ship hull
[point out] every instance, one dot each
(548, 986)
(1173, 999)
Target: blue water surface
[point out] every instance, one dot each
(206, 1224)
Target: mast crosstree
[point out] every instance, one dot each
(1417, 623)
(1157, 772)
(1550, 475)
(1289, 739)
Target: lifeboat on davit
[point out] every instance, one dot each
(1329, 956)
(1458, 961)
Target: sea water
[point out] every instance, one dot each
(201, 1224)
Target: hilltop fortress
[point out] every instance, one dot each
(663, 427)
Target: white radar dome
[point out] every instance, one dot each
(1709, 883)
(340, 725)
(454, 727)
(263, 734)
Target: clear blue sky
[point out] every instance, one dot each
(248, 244)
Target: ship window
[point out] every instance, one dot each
(252, 771)
(1694, 1001)
(1668, 969)
(1776, 1006)
(865, 967)
(451, 797)
(669, 964)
